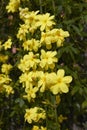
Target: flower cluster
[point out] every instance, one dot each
(39, 41)
(6, 45)
(5, 84)
(5, 80)
(13, 5)
(34, 81)
(38, 61)
(34, 114)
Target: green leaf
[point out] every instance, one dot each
(76, 29)
(84, 104)
(74, 90)
(20, 101)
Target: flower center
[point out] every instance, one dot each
(59, 80)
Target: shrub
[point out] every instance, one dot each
(35, 55)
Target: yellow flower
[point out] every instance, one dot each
(34, 114)
(61, 118)
(5, 68)
(32, 21)
(42, 81)
(31, 93)
(4, 79)
(26, 45)
(51, 79)
(23, 30)
(29, 115)
(26, 79)
(59, 35)
(46, 38)
(9, 90)
(62, 82)
(4, 84)
(48, 59)
(35, 127)
(45, 21)
(24, 64)
(53, 36)
(24, 12)
(29, 61)
(13, 5)
(7, 44)
(30, 18)
(33, 60)
(32, 44)
(3, 58)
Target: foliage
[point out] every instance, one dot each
(28, 78)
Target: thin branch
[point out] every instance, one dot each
(41, 11)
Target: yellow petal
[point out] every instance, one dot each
(60, 73)
(64, 88)
(51, 79)
(55, 89)
(67, 79)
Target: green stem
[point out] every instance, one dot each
(53, 3)
(41, 6)
(24, 126)
(1, 117)
(56, 115)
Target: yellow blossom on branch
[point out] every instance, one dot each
(23, 30)
(9, 90)
(42, 81)
(26, 79)
(36, 61)
(30, 93)
(5, 68)
(46, 38)
(61, 82)
(34, 114)
(59, 35)
(3, 58)
(5, 84)
(7, 44)
(13, 5)
(4, 79)
(31, 45)
(30, 60)
(45, 21)
(23, 13)
(48, 59)
(29, 18)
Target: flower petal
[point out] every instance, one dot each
(64, 88)
(55, 89)
(67, 79)
(60, 73)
